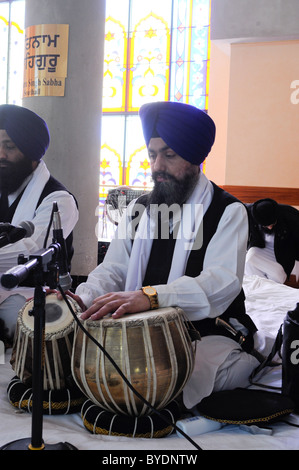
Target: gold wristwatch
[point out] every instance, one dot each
(151, 293)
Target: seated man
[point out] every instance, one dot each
(196, 262)
(27, 194)
(273, 241)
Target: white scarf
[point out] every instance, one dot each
(27, 205)
(190, 220)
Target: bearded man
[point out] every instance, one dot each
(28, 192)
(197, 263)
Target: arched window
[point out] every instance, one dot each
(12, 15)
(154, 51)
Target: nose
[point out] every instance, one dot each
(159, 163)
(3, 154)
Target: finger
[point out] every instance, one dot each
(102, 307)
(51, 291)
(107, 308)
(103, 299)
(95, 311)
(78, 300)
(88, 312)
(121, 311)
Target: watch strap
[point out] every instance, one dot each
(153, 297)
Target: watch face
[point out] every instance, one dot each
(152, 295)
(150, 290)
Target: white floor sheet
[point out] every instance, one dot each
(267, 303)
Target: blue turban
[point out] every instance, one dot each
(187, 130)
(26, 129)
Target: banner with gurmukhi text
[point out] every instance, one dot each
(45, 60)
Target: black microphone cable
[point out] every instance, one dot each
(121, 373)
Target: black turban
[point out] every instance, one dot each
(26, 129)
(187, 130)
(264, 211)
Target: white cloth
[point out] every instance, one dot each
(220, 364)
(207, 295)
(189, 223)
(32, 194)
(10, 308)
(29, 246)
(40, 218)
(262, 262)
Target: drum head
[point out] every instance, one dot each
(152, 317)
(57, 315)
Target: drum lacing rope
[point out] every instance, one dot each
(29, 390)
(129, 397)
(68, 401)
(92, 422)
(111, 424)
(150, 363)
(21, 348)
(24, 341)
(96, 420)
(22, 399)
(182, 325)
(135, 426)
(172, 356)
(105, 383)
(122, 375)
(172, 417)
(152, 426)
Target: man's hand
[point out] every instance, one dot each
(117, 303)
(73, 296)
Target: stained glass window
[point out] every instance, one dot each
(12, 15)
(157, 50)
(154, 51)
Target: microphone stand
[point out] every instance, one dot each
(36, 441)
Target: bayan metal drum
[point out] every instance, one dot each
(59, 333)
(152, 349)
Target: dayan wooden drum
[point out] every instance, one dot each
(153, 350)
(59, 334)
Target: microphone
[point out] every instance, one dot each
(12, 234)
(65, 279)
(14, 276)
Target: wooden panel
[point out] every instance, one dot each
(292, 282)
(253, 193)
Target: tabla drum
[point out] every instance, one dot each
(59, 334)
(152, 349)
